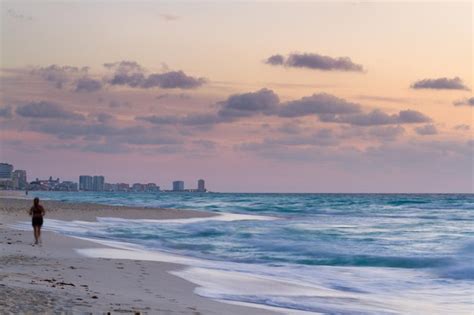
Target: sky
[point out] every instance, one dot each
(251, 96)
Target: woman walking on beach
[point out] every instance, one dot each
(37, 213)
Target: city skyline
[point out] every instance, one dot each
(11, 178)
(340, 97)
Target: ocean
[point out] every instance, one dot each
(304, 253)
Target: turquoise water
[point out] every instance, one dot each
(346, 253)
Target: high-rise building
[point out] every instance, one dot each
(98, 183)
(178, 185)
(19, 179)
(201, 185)
(85, 183)
(6, 171)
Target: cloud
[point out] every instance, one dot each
(124, 66)
(378, 117)
(275, 60)
(427, 130)
(6, 112)
(188, 120)
(160, 120)
(172, 80)
(326, 107)
(387, 132)
(71, 130)
(134, 135)
(263, 101)
(167, 80)
(44, 109)
(88, 85)
(116, 104)
(131, 74)
(105, 117)
(440, 84)
(315, 61)
(236, 106)
(132, 80)
(200, 119)
(291, 128)
(463, 127)
(182, 96)
(412, 117)
(318, 104)
(59, 75)
(90, 132)
(466, 102)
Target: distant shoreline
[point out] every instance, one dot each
(85, 211)
(21, 193)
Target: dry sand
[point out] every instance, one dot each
(53, 278)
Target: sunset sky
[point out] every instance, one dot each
(252, 97)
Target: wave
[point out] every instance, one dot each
(377, 261)
(326, 290)
(226, 217)
(461, 266)
(308, 288)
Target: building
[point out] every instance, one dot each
(110, 187)
(152, 187)
(123, 187)
(19, 179)
(6, 176)
(98, 183)
(44, 184)
(37, 185)
(137, 187)
(85, 183)
(6, 184)
(201, 185)
(66, 186)
(178, 185)
(6, 171)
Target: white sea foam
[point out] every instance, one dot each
(324, 289)
(225, 217)
(220, 281)
(78, 226)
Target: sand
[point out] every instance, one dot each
(54, 278)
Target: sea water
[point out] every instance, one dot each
(303, 253)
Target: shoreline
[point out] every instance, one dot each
(84, 211)
(55, 277)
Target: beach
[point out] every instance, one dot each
(236, 253)
(55, 278)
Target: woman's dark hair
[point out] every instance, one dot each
(36, 201)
